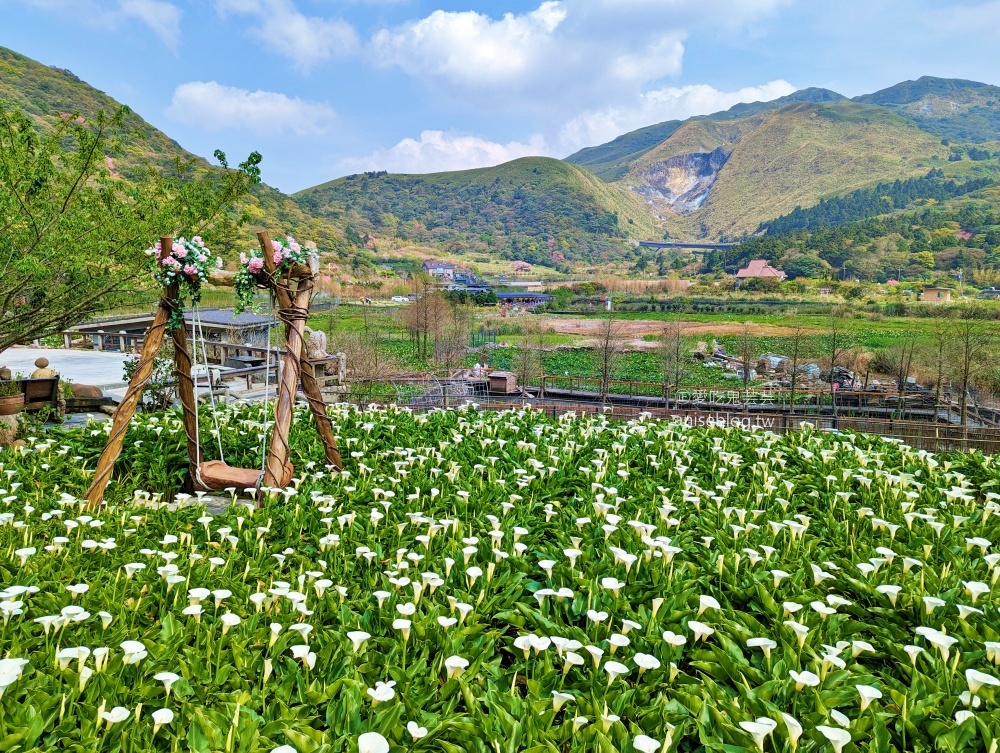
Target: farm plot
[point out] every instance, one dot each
(504, 582)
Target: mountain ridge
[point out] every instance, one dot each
(607, 160)
(716, 176)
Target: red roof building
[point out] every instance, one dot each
(759, 268)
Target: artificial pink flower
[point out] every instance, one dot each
(276, 245)
(295, 246)
(190, 270)
(202, 258)
(167, 261)
(197, 239)
(277, 257)
(218, 262)
(255, 265)
(243, 258)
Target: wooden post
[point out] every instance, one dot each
(324, 426)
(277, 453)
(126, 409)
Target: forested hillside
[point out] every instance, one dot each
(536, 209)
(871, 202)
(961, 234)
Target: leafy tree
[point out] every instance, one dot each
(761, 285)
(73, 233)
(802, 265)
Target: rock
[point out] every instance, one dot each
(5, 374)
(315, 342)
(87, 391)
(109, 410)
(683, 181)
(42, 370)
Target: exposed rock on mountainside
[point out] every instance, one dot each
(682, 183)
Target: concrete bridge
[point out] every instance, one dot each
(691, 246)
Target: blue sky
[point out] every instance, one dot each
(328, 87)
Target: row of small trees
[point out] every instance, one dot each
(956, 355)
(438, 327)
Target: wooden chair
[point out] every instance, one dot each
(40, 394)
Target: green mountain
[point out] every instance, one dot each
(724, 175)
(951, 108)
(611, 161)
(711, 177)
(537, 209)
(770, 163)
(46, 93)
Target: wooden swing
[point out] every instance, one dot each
(291, 292)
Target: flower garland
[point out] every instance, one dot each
(186, 265)
(252, 272)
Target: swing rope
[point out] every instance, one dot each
(194, 386)
(267, 389)
(211, 389)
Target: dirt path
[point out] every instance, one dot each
(636, 329)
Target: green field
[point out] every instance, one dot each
(502, 582)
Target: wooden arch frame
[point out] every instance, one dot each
(292, 291)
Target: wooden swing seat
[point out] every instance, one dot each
(216, 475)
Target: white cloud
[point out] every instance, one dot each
(305, 40)
(563, 56)
(470, 48)
(437, 151)
(658, 105)
(212, 106)
(659, 59)
(163, 18)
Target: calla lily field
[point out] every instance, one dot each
(502, 582)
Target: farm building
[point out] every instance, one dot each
(442, 270)
(759, 268)
(936, 295)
